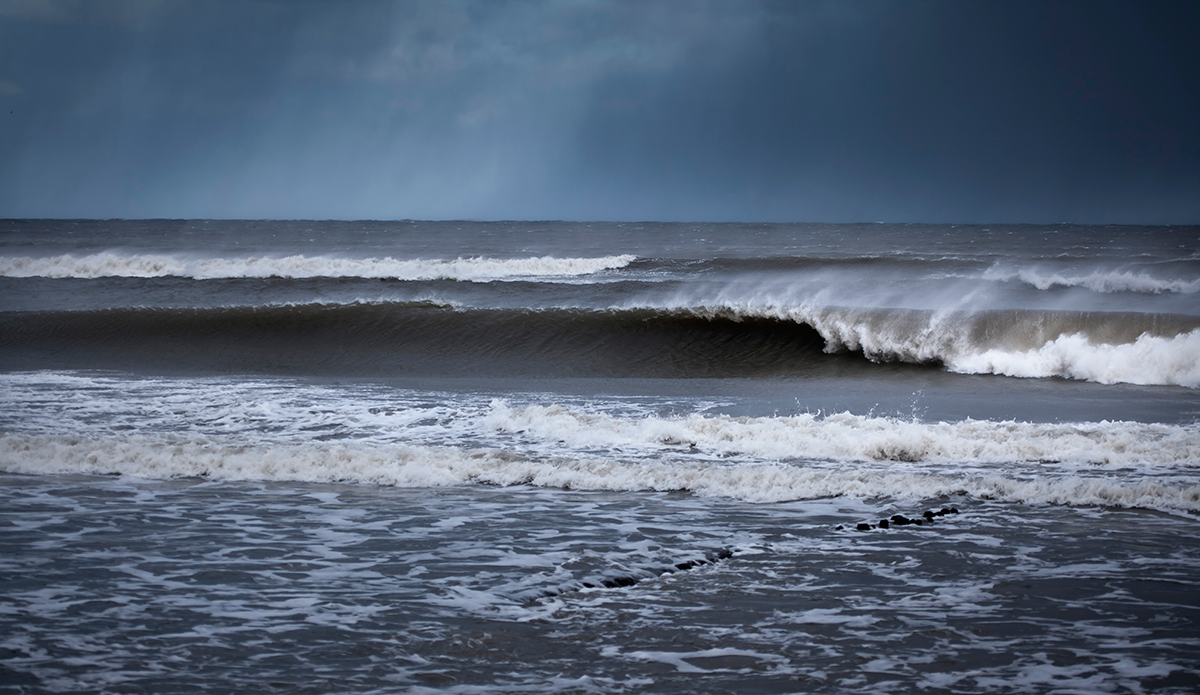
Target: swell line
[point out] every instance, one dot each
(427, 338)
(478, 269)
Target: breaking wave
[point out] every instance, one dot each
(1148, 360)
(175, 456)
(1105, 347)
(426, 338)
(845, 437)
(1095, 346)
(477, 269)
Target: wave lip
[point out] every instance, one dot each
(1104, 347)
(476, 269)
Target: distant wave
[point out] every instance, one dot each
(799, 439)
(692, 341)
(1098, 281)
(149, 265)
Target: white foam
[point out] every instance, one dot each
(477, 269)
(1149, 360)
(953, 338)
(857, 438)
(413, 466)
(1097, 281)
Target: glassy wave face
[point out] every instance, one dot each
(558, 457)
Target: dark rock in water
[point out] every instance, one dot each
(927, 517)
(710, 558)
(619, 581)
(839, 528)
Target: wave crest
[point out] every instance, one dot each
(1092, 348)
(425, 466)
(689, 341)
(478, 269)
(858, 438)
(1098, 281)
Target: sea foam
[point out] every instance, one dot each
(846, 437)
(1103, 347)
(1149, 360)
(420, 466)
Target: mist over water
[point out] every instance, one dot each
(599, 457)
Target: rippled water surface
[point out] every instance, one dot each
(171, 587)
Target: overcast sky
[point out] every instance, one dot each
(602, 110)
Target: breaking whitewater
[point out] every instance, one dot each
(598, 457)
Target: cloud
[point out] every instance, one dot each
(118, 12)
(939, 111)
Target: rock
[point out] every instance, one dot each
(864, 527)
(883, 523)
(619, 581)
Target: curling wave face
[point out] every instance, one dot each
(1102, 347)
(397, 338)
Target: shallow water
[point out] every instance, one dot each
(184, 586)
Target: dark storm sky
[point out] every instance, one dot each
(588, 109)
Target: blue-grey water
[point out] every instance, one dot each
(563, 457)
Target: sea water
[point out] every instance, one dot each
(568, 457)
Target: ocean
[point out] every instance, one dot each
(556, 457)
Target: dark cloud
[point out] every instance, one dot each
(578, 109)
